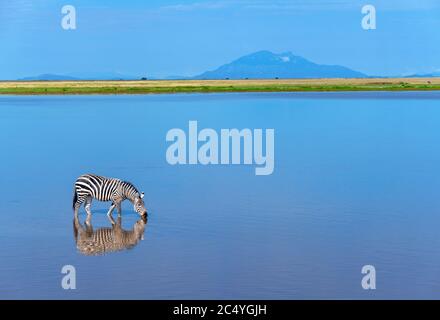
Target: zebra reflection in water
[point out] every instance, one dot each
(106, 240)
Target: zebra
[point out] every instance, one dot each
(89, 186)
(91, 242)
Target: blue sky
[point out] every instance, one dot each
(161, 38)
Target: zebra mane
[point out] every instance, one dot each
(131, 188)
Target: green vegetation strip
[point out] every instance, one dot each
(211, 89)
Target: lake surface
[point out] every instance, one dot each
(356, 182)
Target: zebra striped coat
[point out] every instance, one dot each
(90, 186)
(105, 240)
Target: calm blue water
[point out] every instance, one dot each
(356, 182)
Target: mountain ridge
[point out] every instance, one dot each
(262, 64)
(265, 64)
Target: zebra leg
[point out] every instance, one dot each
(109, 214)
(88, 221)
(75, 210)
(118, 207)
(118, 223)
(110, 210)
(88, 227)
(87, 205)
(112, 221)
(77, 227)
(78, 204)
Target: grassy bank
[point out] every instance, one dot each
(207, 86)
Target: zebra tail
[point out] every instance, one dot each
(75, 198)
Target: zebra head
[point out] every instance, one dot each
(139, 206)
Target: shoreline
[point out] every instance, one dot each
(215, 86)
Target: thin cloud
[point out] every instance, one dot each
(196, 6)
(305, 5)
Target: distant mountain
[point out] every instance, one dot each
(48, 77)
(175, 78)
(268, 65)
(80, 76)
(258, 65)
(428, 75)
(102, 76)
